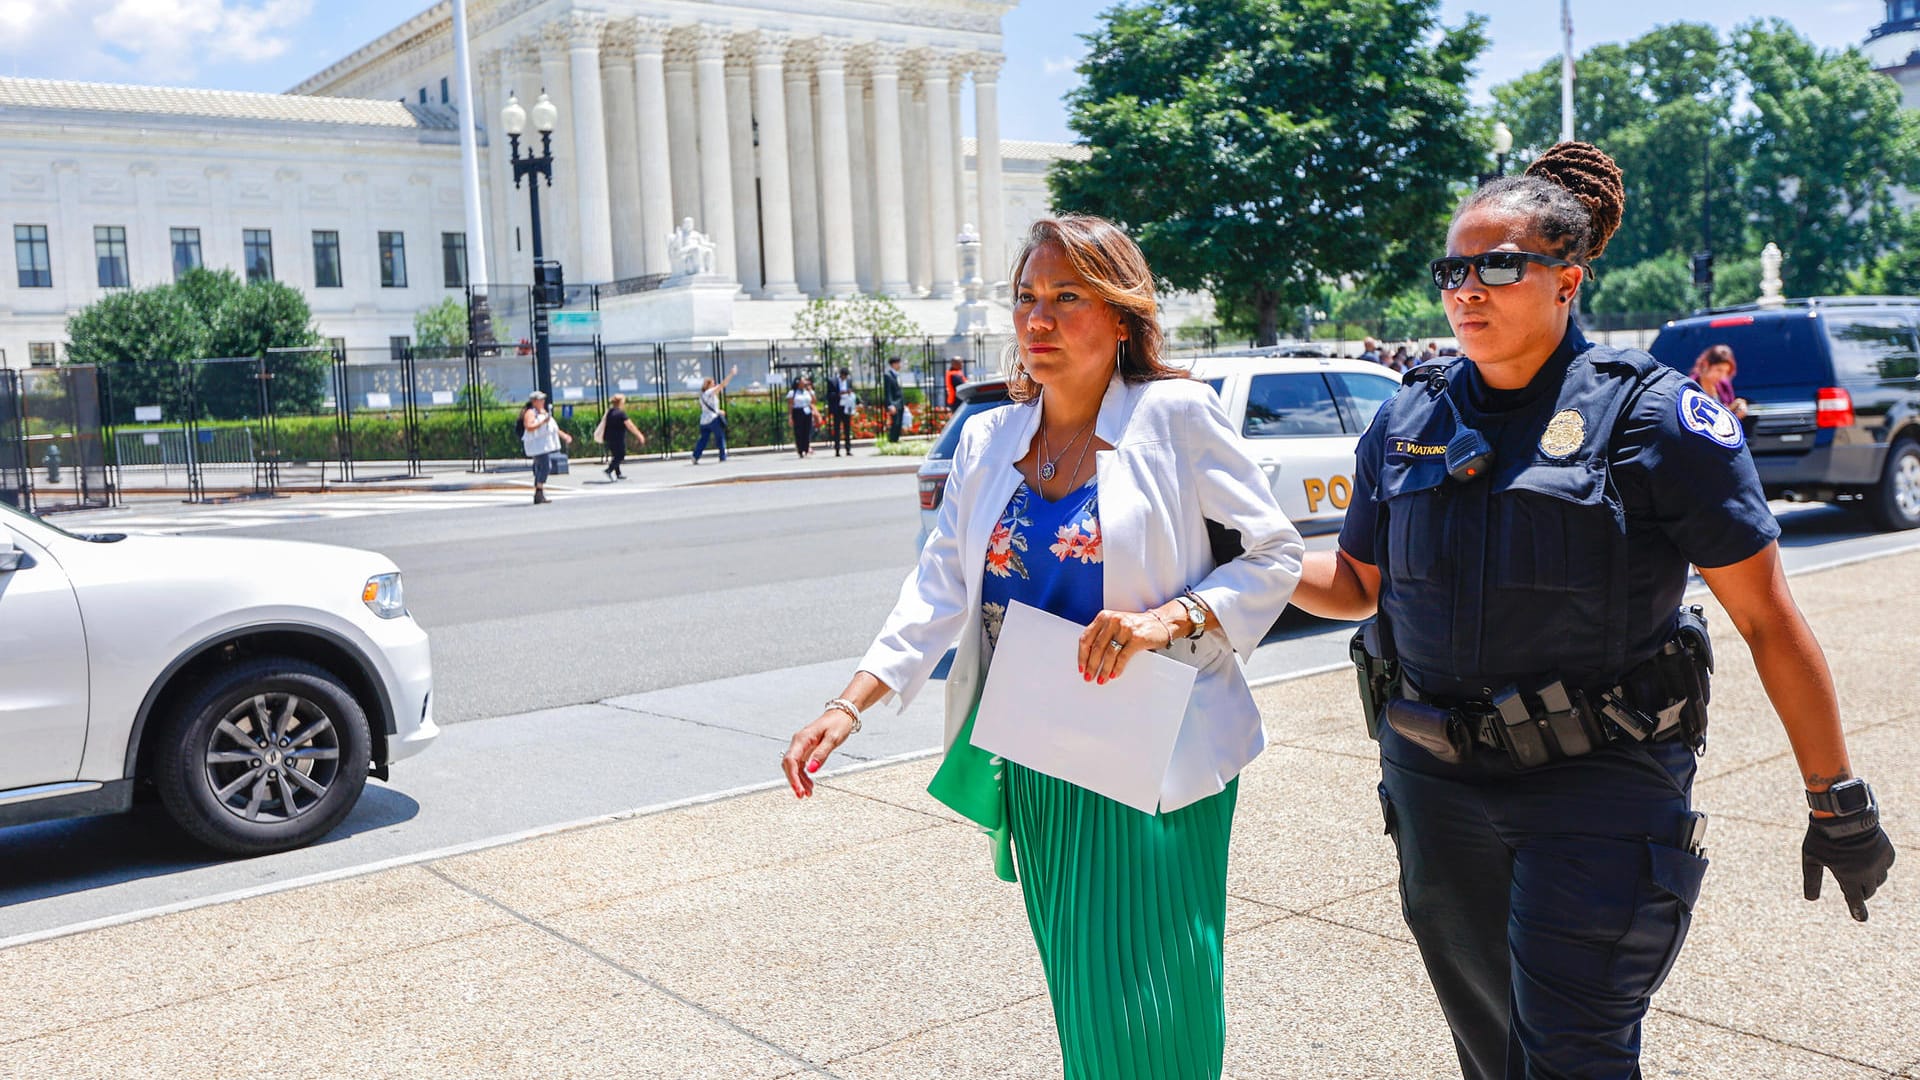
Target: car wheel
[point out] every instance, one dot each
(1895, 503)
(269, 754)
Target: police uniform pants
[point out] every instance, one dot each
(1548, 904)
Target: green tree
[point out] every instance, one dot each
(142, 334)
(1662, 106)
(1826, 145)
(1662, 285)
(442, 326)
(879, 320)
(1256, 148)
(820, 320)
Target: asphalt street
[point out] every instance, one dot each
(599, 657)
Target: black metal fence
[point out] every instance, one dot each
(51, 451)
(13, 466)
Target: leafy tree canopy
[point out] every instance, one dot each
(1256, 148)
(1810, 165)
(442, 326)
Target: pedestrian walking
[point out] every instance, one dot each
(713, 418)
(842, 402)
(615, 427)
(1520, 533)
(1401, 358)
(1127, 908)
(801, 407)
(956, 377)
(1370, 350)
(542, 441)
(896, 398)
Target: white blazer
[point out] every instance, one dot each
(1174, 465)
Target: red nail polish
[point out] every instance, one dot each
(813, 766)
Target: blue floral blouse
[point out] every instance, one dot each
(1045, 555)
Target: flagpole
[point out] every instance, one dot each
(1566, 71)
(469, 151)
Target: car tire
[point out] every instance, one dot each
(258, 738)
(1894, 503)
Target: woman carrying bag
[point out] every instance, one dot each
(543, 442)
(1091, 501)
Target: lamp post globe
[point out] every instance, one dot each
(544, 114)
(513, 118)
(1502, 143)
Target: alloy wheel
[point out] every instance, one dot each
(272, 758)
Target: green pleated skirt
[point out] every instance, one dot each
(1129, 911)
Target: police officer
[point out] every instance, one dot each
(1522, 522)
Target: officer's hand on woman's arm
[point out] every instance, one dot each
(1335, 585)
(1794, 672)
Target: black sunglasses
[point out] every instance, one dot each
(1496, 268)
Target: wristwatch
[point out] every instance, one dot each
(1196, 614)
(1844, 799)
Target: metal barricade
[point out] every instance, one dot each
(62, 447)
(13, 458)
(230, 425)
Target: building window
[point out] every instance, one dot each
(423, 95)
(326, 259)
(453, 259)
(393, 260)
(397, 346)
(31, 255)
(43, 353)
(443, 91)
(186, 251)
(110, 255)
(259, 254)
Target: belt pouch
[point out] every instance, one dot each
(1437, 731)
(1520, 732)
(1570, 731)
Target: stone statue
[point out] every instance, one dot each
(1770, 275)
(689, 251)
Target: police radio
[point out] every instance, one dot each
(1469, 455)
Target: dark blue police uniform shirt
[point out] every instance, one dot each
(1688, 497)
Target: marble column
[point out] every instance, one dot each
(913, 105)
(746, 208)
(654, 143)
(956, 131)
(683, 129)
(941, 211)
(836, 170)
(986, 172)
(716, 164)
(890, 212)
(559, 204)
(859, 169)
(806, 180)
(776, 185)
(623, 150)
(589, 148)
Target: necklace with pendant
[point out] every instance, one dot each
(1047, 458)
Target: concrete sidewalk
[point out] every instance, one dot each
(862, 934)
(142, 484)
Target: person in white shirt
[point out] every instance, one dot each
(541, 438)
(1092, 500)
(805, 413)
(713, 418)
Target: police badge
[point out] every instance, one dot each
(1564, 434)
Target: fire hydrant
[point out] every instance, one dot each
(52, 462)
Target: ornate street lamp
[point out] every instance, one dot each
(548, 289)
(1502, 143)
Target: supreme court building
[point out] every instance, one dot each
(820, 147)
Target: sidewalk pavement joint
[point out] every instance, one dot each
(1764, 1037)
(651, 984)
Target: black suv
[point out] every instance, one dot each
(1833, 402)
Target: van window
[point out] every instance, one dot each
(1872, 348)
(1282, 405)
(1216, 384)
(1365, 394)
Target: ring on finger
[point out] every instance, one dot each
(1116, 644)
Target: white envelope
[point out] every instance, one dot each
(1036, 710)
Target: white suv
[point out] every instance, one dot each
(254, 684)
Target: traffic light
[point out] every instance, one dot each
(1703, 269)
(550, 286)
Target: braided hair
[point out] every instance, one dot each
(1572, 194)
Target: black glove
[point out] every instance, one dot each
(1859, 857)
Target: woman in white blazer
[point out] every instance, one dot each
(1091, 499)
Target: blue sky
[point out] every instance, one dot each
(272, 44)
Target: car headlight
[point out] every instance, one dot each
(383, 596)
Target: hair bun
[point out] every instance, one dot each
(1589, 175)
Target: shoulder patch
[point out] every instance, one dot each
(1709, 419)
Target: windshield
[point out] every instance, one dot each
(13, 517)
(950, 435)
